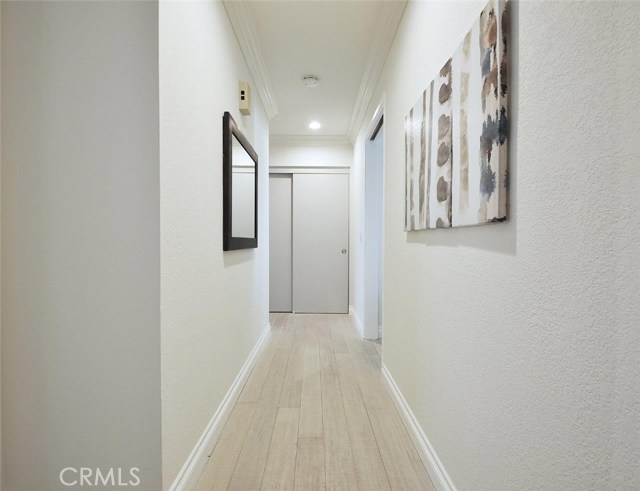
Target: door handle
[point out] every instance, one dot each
(344, 251)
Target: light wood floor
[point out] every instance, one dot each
(315, 415)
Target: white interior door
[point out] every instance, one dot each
(280, 256)
(321, 243)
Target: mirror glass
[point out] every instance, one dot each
(243, 192)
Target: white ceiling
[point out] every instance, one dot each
(333, 40)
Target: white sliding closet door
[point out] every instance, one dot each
(280, 256)
(321, 243)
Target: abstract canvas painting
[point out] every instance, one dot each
(456, 133)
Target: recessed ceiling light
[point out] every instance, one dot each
(310, 81)
(314, 125)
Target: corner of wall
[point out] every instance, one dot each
(214, 303)
(357, 320)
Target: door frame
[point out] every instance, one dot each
(374, 243)
(292, 171)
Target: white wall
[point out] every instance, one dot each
(516, 344)
(0, 250)
(284, 154)
(80, 241)
(214, 304)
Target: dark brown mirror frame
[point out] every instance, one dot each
(229, 130)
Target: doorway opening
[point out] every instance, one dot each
(373, 227)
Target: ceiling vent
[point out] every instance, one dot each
(310, 81)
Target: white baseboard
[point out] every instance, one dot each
(192, 468)
(432, 463)
(357, 321)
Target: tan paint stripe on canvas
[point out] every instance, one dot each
(428, 211)
(411, 160)
(464, 125)
(421, 189)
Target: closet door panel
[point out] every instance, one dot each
(280, 253)
(321, 243)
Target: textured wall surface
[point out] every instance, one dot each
(517, 344)
(80, 241)
(0, 251)
(214, 304)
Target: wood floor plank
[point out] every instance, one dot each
(253, 388)
(336, 331)
(340, 472)
(292, 387)
(283, 332)
(351, 331)
(406, 440)
(310, 465)
(325, 346)
(423, 477)
(370, 471)
(374, 390)
(398, 465)
(274, 319)
(253, 457)
(273, 383)
(315, 414)
(377, 344)
(281, 462)
(367, 369)
(367, 366)
(371, 356)
(311, 397)
(219, 468)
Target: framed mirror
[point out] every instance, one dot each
(240, 188)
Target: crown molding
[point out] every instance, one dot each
(242, 23)
(309, 140)
(386, 28)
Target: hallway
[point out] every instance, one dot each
(315, 415)
(459, 179)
